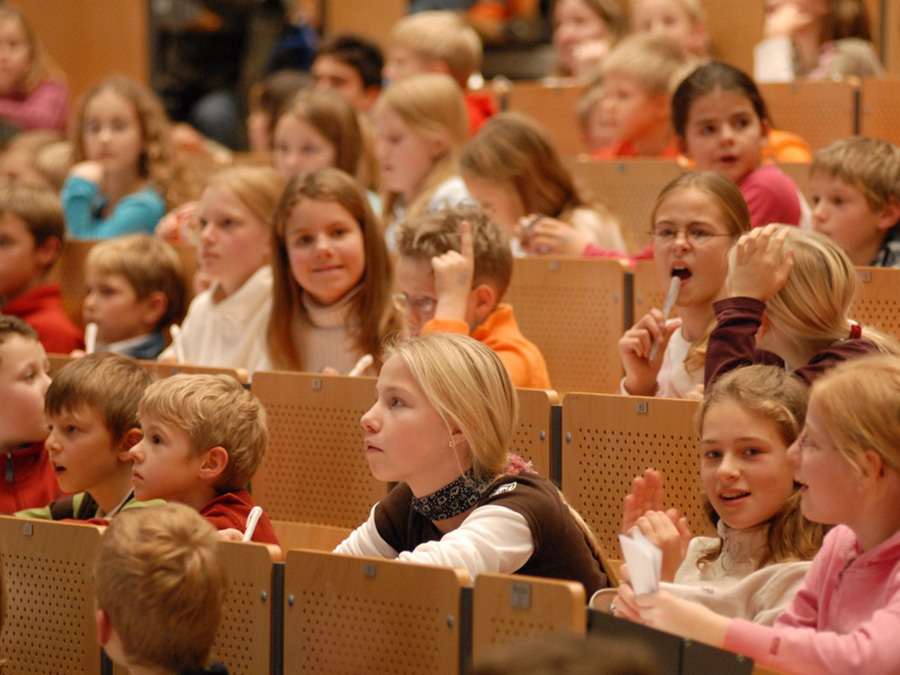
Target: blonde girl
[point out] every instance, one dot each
(125, 172)
(33, 92)
(226, 323)
(684, 21)
(846, 615)
(332, 276)
(583, 33)
(791, 292)
(696, 219)
(761, 553)
(514, 172)
(442, 424)
(421, 125)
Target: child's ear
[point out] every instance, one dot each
(438, 146)
(155, 305)
(47, 252)
(482, 301)
(104, 627)
(889, 215)
(131, 438)
(872, 465)
(765, 129)
(214, 462)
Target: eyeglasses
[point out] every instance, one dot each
(421, 306)
(696, 236)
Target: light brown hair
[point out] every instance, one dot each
(655, 62)
(42, 65)
(440, 36)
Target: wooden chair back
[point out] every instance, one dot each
(647, 292)
(532, 440)
(735, 29)
(819, 111)
(629, 188)
(47, 596)
(315, 469)
(346, 614)
(878, 303)
(293, 535)
(572, 309)
(159, 370)
(608, 440)
(799, 173)
(511, 608)
(878, 114)
(554, 107)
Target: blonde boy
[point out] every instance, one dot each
(135, 290)
(160, 591)
(439, 42)
(28, 479)
(92, 411)
(855, 196)
(204, 438)
(33, 231)
(639, 75)
(453, 269)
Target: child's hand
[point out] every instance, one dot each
(625, 602)
(548, 236)
(784, 18)
(231, 534)
(646, 495)
(664, 611)
(89, 170)
(587, 57)
(454, 272)
(762, 264)
(669, 532)
(635, 346)
(179, 224)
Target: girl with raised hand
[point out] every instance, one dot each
(442, 425)
(697, 218)
(761, 553)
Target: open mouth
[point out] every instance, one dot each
(733, 495)
(58, 469)
(681, 272)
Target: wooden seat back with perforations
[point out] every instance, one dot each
(47, 593)
(878, 114)
(608, 440)
(293, 535)
(647, 293)
(572, 309)
(532, 437)
(878, 303)
(554, 107)
(509, 608)
(159, 370)
(243, 641)
(819, 111)
(345, 614)
(315, 469)
(629, 189)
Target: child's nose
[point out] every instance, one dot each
(135, 452)
(52, 442)
(368, 420)
(728, 469)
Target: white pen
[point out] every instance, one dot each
(668, 586)
(361, 365)
(175, 330)
(674, 287)
(90, 338)
(252, 520)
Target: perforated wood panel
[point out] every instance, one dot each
(553, 107)
(292, 535)
(878, 303)
(735, 27)
(508, 608)
(878, 113)
(346, 614)
(572, 309)
(243, 640)
(47, 595)
(629, 189)
(532, 437)
(820, 112)
(799, 173)
(647, 290)
(315, 469)
(608, 440)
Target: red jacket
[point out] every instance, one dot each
(231, 510)
(42, 309)
(28, 480)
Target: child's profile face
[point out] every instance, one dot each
(743, 465)
(335, 75)
(402, 62)
(165, 466)
(840, 211)
(500, 204)
(111, 133)
(598, 133)
(724, 134)
(631, 112)
(575, 23)
(82, 451)
(325, 249)
(24, 379)
(15, 55)
(414, 279)
(669, 18)
(299, 147)
(404, 157)
(234, 243)
(112, 303)
(22, 265)
(17, 166)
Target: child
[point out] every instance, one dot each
(332, 276)
(441, 426)
(350, 65)
(226, 323)
(161, 588)
(755, 564)
(696, 219)
(638, 78)
(513, 171)
(683, 21)
(268, 100)
(596, 132)
(125, 172)
(722, 124)
(846, 615)
(816, 40)
(420, 126)
(440, 42)
(38, 158)
(856, 201)
(24, 378)
(135, 290)
(32, 232)
(33, 93)
(204, 438)
(92, 410)
(790, 295)
(583, 32)
(453, 270)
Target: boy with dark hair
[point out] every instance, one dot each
(350, 65)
